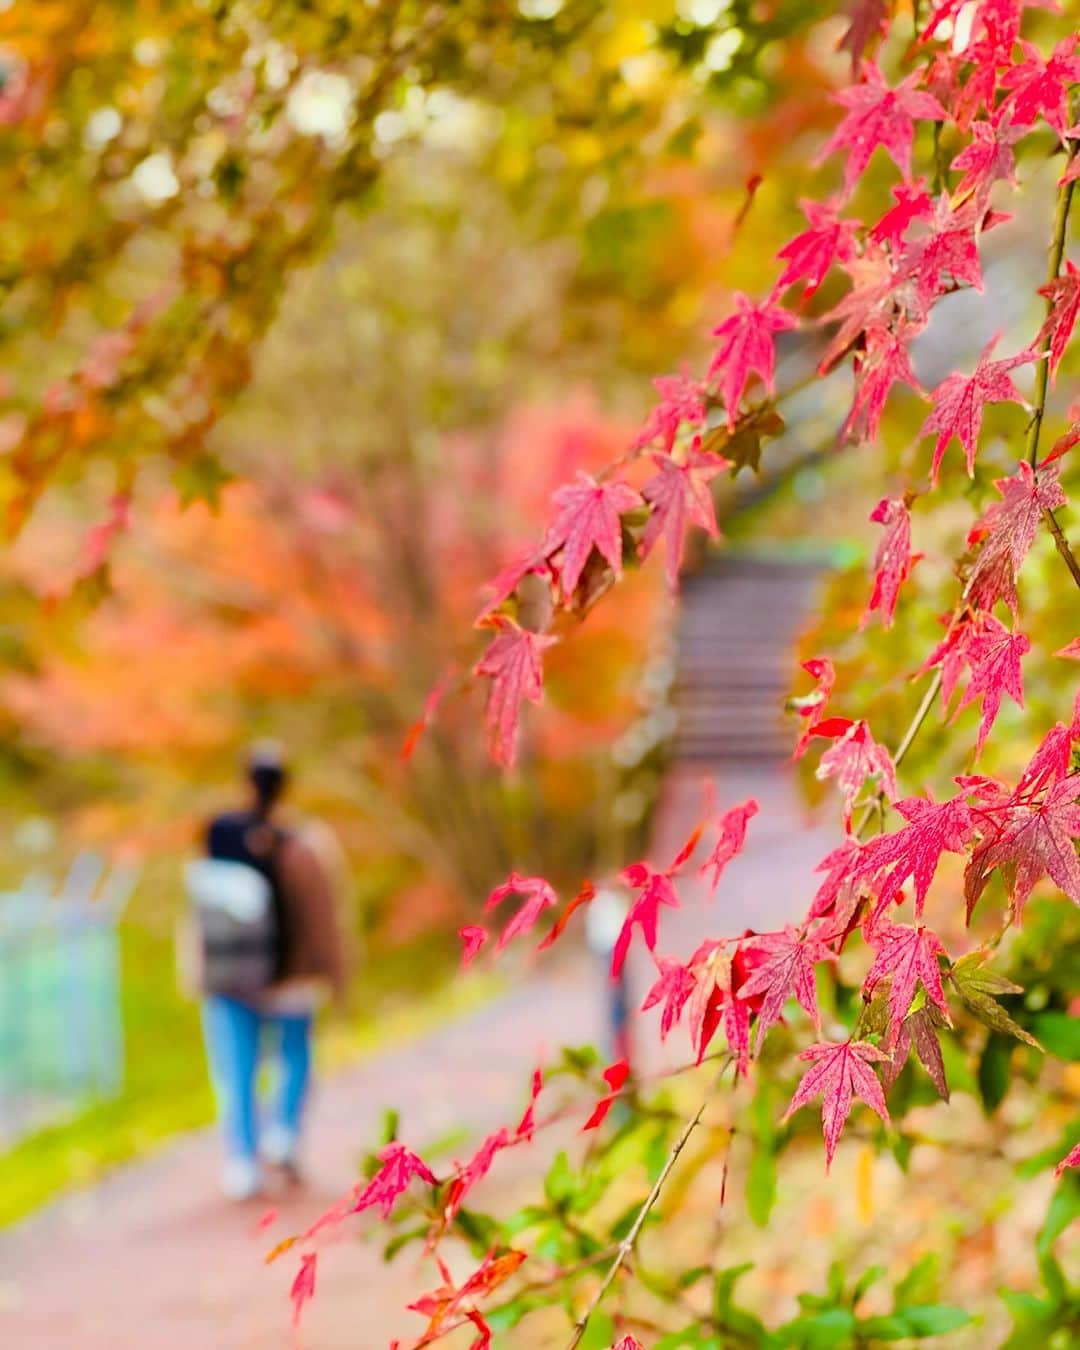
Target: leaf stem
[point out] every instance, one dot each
(626, 1246)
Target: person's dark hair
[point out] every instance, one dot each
(267, 775)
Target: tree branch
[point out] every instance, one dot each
(1057, 252)
(627, 1244)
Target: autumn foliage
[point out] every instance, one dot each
(956, 107)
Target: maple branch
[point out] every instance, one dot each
(1057, 252)
(906, 742)
(626, 1246)
(1062, 545)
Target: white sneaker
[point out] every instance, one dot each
(278, 1146)
(241, 1179)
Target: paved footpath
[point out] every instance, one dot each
(151, 1259)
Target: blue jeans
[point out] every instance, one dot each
(234, 1032)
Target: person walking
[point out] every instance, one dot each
(269, 949)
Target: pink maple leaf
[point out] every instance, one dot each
(474, 1171)
(894, 559)
(841, 1072)
(919, 1029)
(745, 343)
(1007, 532)
(1063, 294)
(987, 158)
(657, 889)
(786, 971)
(913, 203)
(1031, 839)
(399, 1165)
(628, 1343)
(512, 663)
(947, 256)
(867, 19)
(882, 362)
(811, 707)
(995, 672)
(538, 895)
(1071, 1159)
(682, 403)
(303, 1286)
(959, 400)
(473, 938)
(1040, 85)
(719, 976)
(679, 496)
(854, 757)
(673, 986)
(811, 254)
(879, 115)
(731, 829)
(906, 955)
(505, 583)
(589, 517)
(915, 850)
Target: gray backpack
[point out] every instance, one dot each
(237, 924)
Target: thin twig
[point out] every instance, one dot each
(626, 1246)
(914, 727)
(1062, 545)
(1042, 374)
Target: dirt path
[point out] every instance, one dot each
(151, 1259)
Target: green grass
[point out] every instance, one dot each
(166, 1089)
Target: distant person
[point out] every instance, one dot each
(269, 948)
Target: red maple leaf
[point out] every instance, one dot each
(589, 517)
(878, 115)
(947, 256)
(745, 344)
(810, 254)
(1007, 532)
(882, 361)
(512, 663)
(867, 19)
(731, 828)
(1040, 85)
(913, 203)
(719, 976)
(679, 496)
(987, 158)
(874, 301)
(538, 895)
(1063, 295)
(852, 759)
(811, 707)
(583, 897)
(1028, 837)
(672, 988)
(682, 403)
(959, 400)
(915, 849)
(657, 889)
(615, 1075)
(476, 1169)
(473, 938)
(786, 971)
(995, 672)
(919, 1029)
(505, 583)
(841, 1072)
(894, 559)
(837, 897)
(399, 1165)
(906, 955)
(1071, 1159)
(303, 1286)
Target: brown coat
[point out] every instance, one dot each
(316, 948)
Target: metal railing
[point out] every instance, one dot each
(61, 1030)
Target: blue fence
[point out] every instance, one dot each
(61, 1032)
